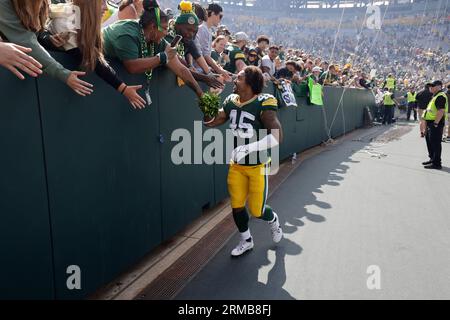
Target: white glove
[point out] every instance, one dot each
(265, 143)
(240, 153)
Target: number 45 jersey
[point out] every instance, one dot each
(245, 122)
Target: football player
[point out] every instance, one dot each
(250, 111)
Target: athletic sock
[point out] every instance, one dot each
(241, 220)
(268, 214)
(246, 236)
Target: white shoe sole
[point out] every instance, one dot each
(240, 254)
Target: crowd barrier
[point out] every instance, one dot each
(88, 182)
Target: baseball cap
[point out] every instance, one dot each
(316, 69)
(436, 83)
(241, 36)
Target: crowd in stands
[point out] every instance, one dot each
(334, 51)
(395, 48)
(348, 53)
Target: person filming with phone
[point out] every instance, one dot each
(141, 47)
(181, 36)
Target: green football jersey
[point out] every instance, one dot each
(235, 54)
(245, 120)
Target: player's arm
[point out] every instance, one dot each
(218, 120)
(272, 124)
(274, 138)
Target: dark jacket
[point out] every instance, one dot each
(423, 98)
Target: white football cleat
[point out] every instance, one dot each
(242, 247)
(275, 229)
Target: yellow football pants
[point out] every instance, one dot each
(249, 184)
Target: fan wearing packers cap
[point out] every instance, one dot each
(186, 25)
(249, 112)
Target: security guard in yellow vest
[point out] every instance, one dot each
(390, 83)
(412, 104)
(435, 116)
(389, 106)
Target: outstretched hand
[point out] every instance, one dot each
(81, 87)
(14, 58)
(134, 98)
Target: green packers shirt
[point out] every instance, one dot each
(235, 54)
(245, 120)
(122, 40)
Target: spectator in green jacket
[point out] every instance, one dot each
(236, 53)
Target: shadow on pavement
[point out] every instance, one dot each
(261, 273)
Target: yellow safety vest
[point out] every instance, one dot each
(315, 92)
(431, 112)
(411, 97)
(388, 100)
(390, 83)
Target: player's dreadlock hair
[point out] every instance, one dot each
(254, 78)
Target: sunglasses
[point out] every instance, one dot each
(253, 55)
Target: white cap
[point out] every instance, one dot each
(316, 69)
(241, 36)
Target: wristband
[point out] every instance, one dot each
(123, 90)
(210, 121)
(162, 58)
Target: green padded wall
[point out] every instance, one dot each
(104, 180)
(25, 235)
(185, 188)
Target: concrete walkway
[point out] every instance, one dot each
(365, 202)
